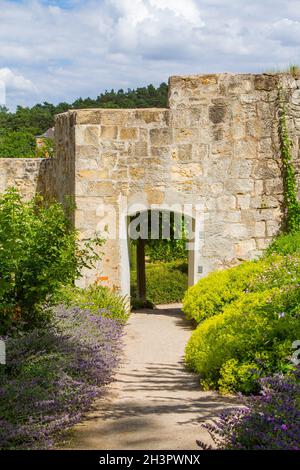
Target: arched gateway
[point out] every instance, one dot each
(215, 152)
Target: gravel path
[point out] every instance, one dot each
(154, 403)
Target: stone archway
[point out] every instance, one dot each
(192, 221)
(215, 147)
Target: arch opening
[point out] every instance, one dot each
(159, 256)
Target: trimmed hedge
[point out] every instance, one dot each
(251, 338)
(209, 296)
(249, 317)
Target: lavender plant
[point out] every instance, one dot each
(270, 420)
(54, 374)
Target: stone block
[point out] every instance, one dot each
(266, 169)
(239, 231)
(185, 152)
(91, 135)
(273, 228)
(226, 203)
(160, 137)
(244, 249)
(141, 149)
(240, 169)
(260, 229)
(186, 134)
(243, 201)
(274, 186)
(245, 149)
(239, 186)
(128, 133)
(109, 132)
(217, 113)
(87, 151)
(99, 188)
(265, 82)
(263, 243)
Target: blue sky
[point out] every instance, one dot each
(60, 50)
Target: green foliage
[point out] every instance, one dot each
(168, 224)
(95, 299)
(249, 318)
(47, 150)
(252, 337)
(285, 244)
(213, 292)
(292, 204)
(165, 282)
(39, 251)
(14, 144)
(280, 271)
(40, 117)
(166, 250)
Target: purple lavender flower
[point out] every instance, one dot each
(55, 375)
(268, 421)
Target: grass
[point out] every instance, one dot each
(292, 69)
(165, 282)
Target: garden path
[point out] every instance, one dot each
(154, 402)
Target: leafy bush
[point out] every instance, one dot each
(270, 421)
(251, 338)
(47, 149)
(213, 292)
(285, 244)
(39, 251)
(53, 375)
(96, 299)
(209, 296)
(166, 250)
(280, 271)
(165, 282)
(16, 144)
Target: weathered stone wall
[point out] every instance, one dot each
(63, 171)
(216, 146)
(28, 175)
(231, 121)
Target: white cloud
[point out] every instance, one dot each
(53, 53)
(14, 81)
(286, 31)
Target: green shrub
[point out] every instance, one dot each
(39, 252)
(46, 150)
(285, 244)
(252, 337)
(165, 282)
(16, 144)
(166, 250)
(213, 292)
(279, 271)
(95, 299)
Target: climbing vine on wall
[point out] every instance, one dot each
(292, 204)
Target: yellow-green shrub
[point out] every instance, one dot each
(209, 296)
(253, 336)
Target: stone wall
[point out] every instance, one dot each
(216, 148)
(28, 175)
